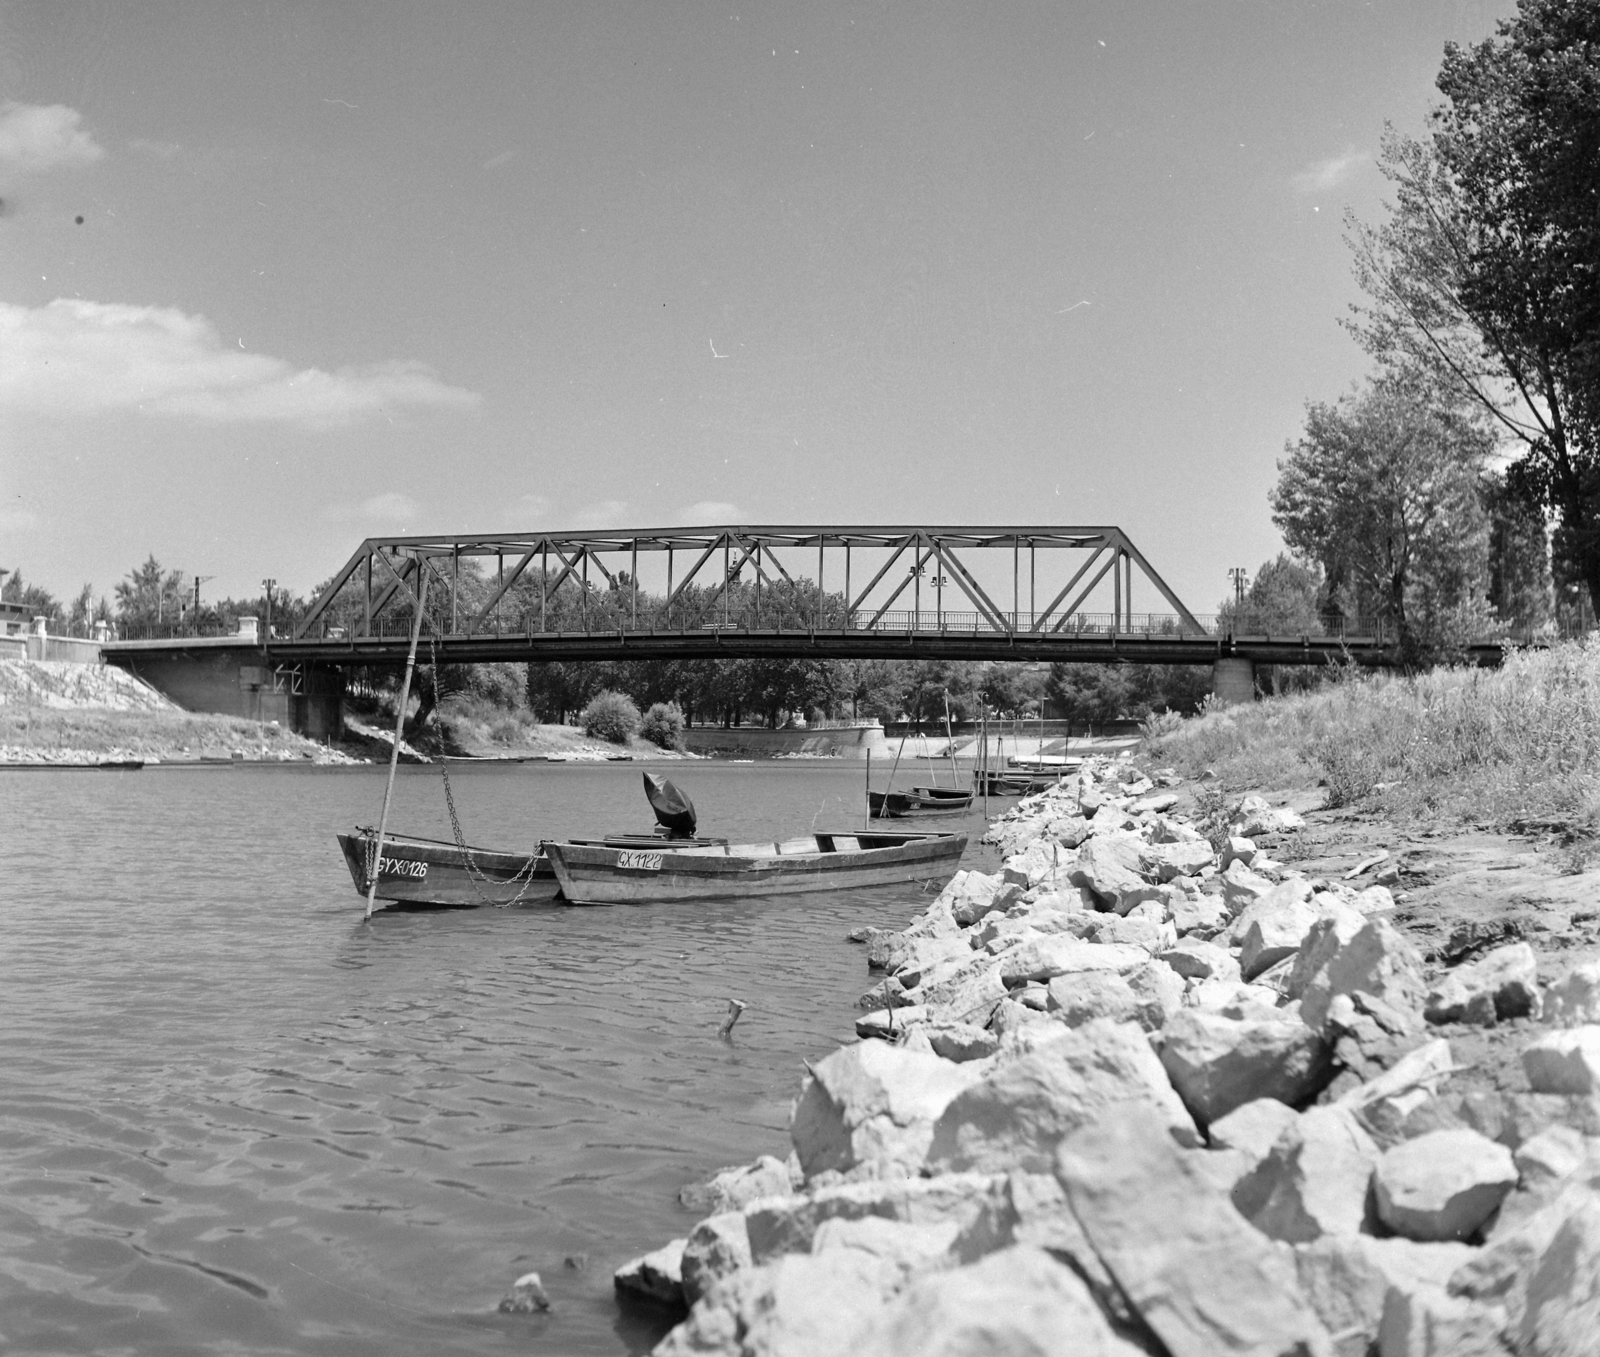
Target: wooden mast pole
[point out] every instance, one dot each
(399, 730)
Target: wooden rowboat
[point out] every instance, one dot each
(943, 798)
(600, 874)
(918, 801)
(416, 871)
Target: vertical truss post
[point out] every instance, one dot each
(820, 540)
(727, 565)
(633, 577)
(938, 592)
(1016, 583)
(366, 616)
(1116, 592)
(758, 584)
(584, 589)
(544, 583)
(1033, 577)
(455, 581)
(500, 561)
(669, 586)
(847, 608)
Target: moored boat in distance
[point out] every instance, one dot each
(600, 874)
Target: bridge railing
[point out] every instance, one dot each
(612, 617)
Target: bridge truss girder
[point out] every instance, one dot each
(386, 571)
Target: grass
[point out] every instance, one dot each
(1508, 746)
(147, 734)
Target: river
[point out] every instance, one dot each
(234, 1117)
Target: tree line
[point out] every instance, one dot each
(1456, 490)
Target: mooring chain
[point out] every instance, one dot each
(475, 874)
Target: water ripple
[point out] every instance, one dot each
(239, 1120)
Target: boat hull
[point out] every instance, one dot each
(592, 874)
(417, 871)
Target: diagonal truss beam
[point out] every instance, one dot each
(500, 591)
(1066, 613)
(705, 556)
(899, 551)
(338, 582)
(1042, 618)
(916, 569)
(970, 587)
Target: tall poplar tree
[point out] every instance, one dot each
(1486, 276)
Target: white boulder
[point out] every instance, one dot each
(872, 1103)
(1443, 1185)
(1218, 1063)
(1016, 1116)
(1564, 1061)
(1315, 1180)
(1502, 984)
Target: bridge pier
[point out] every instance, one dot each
(1233, 681)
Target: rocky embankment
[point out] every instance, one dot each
(1143, 1092)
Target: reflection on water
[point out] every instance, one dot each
(233, 1116)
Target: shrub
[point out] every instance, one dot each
(611, 716)
(508, 730)
(663, 725)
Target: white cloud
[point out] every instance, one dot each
(389, 507)
(1327, 174)
(530, 509)
(607, 513)
(44, 137)
(16, 518)
(85, 358)
(708, 513)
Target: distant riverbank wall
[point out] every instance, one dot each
(845, 740)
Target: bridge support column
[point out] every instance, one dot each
(1233, 681)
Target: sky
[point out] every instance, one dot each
(275, 277)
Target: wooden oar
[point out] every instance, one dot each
(399, 730)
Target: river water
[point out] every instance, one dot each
(235, 1118)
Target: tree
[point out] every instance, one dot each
(38, 601)
(1520, 586)
(1382, 493)
(1284, 599)
(1013, 690)
(150, 596)
(1486, 276)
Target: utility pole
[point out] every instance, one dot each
(198, 580)
(269, 586)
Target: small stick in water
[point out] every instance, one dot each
(735, 1008)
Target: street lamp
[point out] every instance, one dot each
(269, 586)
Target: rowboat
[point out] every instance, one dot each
(1013, 784)
(918, 801)
(943, 798)
(417, 871)
(600, 874)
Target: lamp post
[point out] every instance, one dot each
(269, 585)
(1238, 576)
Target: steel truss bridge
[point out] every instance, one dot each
(972, 593)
